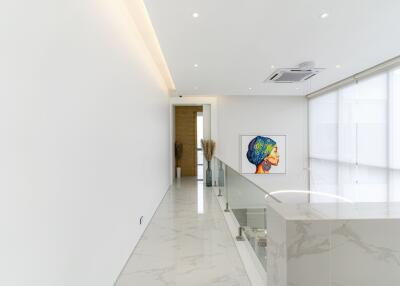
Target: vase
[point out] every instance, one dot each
(208, 175)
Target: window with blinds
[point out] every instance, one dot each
(355, 139)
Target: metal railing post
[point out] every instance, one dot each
(226, 191)
(227, 208)
(240, 237)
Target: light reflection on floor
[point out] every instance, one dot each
(200, 197)
(187, 243)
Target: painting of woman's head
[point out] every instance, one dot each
(263, 152)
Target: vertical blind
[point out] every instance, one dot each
(355, 138)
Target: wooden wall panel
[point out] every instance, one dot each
(186, 133)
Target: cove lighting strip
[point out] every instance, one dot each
(143, 22)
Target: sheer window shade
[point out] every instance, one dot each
(394, 119)
(359, 123)
(323, 127)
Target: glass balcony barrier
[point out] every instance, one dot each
(246, 201)
(273, 224)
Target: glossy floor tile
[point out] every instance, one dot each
(186, 243)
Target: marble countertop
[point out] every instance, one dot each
(337, 211)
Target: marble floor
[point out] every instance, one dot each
(187, 243)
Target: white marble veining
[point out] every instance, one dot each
(276, 249)
(186, 243)
(333, 244)
(365, 252)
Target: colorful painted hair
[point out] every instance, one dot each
(259, 148)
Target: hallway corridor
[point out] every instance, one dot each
(186, 243)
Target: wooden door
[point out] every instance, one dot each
(186, 133)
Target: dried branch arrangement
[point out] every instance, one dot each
(208, 148)
(178, 152)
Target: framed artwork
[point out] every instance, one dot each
(263, 154)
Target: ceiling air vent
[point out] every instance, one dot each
(304, 72)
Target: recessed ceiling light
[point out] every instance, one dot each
(324, 15)
(196, 65)
(272, 66)
(338, 66)
(297, 88)
(195, 15)
(250, 88)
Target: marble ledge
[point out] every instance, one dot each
(333, 244)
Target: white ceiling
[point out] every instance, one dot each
(235, 42)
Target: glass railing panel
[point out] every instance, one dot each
(242, 192)
(214, 171)
(254, 223)
(219, 170)
(247, 203)
(335, 189)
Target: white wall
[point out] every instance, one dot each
(207, 121)
(84, 132)
(241, 115)
(172, 143)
